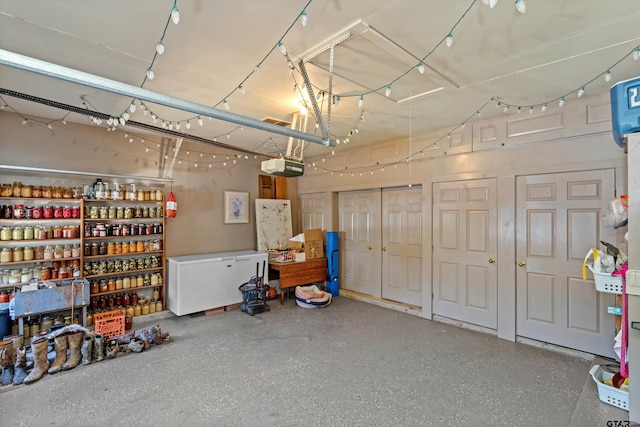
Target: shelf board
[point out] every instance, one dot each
(120, 255)
(38, 242)
(111, 201)
(123, 273)
(17, 285)
(38, 221)
(35, 261)
(117, 291)
(122, 237)
(135, 220)
(42, 199)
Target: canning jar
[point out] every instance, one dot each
(47, 212)
(66, 251)
(17, 233)
(6, 255)
(6, 233)
(29, 253)
(58, 212)
(28, 233)
(36, 191)
(58, 252)
(37, 212)
(18, 254)
(18, 211)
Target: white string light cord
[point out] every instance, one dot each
(174, 17)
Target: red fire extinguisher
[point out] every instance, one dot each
(172, 206)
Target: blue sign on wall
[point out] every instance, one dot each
(625, 109)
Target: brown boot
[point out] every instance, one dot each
(75, 350)
(87, 349)
(40, 348)
(20, 371)
(7, 359)
(60, 346)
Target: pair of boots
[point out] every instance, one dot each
(71, 342)
(13, 357)
(62, 343)
(92, 348)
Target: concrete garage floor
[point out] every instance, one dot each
(348, 364)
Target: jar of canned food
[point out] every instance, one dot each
(47, 212)
(18, 254)
(38, 252)
(6, 233)
(6, 255)
(103, 212)
(48, 252)
(66, 251)
(28, 212)
(58, 252)
(18, 211)
(36, 191)
(29, 253)
(58, 212)
(75, 212)
(17, 189)
(37, 212)
(66, 212)
(17, 233)
(75, 251)
(28, 233)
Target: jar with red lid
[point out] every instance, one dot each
(47, 212)
(57, 212)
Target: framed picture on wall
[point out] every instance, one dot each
(236, 207)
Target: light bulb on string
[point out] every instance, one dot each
(421, 68)
(303, 18)
(146, 150)
(581, 92)
(387, 91)
(449, 40)
(561, 102)
(521, 7)
(544, 108)
(607, 76)
(636, 53)
(49, 126)
(256, 68)
(188, 125)
(132, 106)
(506, 108)
(170, 125)
(225, 103)
(122, 121)
(160, 48)
(241, 89)
(150, 74)
(531, 110)
(178, 126)
(125, 115)
(360, 101)
(175, 14)
(282, 48)
(200, 121)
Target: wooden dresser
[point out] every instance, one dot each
(292, 274)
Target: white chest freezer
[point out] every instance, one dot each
(206, 281)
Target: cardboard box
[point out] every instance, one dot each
(313, 244)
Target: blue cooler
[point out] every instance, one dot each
(625, 109)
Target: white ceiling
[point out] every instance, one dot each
(520, 59)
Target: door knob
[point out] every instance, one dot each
(384, 249)
(370, 247)
(522, 263)
(492, 260)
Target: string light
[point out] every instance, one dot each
(581, 92)
(160, 48)
(421, 68)
(225, 103)
(303, 18)
(387, 91)
(490, 3)
(175, 14)
(360, 101)
(607, 76)
(636, 53)
(200, 121)
(241, 89)
(150, 74)
(561, 102)
(449, 40)
(521, 7)
(283, 49)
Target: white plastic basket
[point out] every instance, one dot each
(606, 393)
(605, 282)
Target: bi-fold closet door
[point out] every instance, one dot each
(381, 243)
